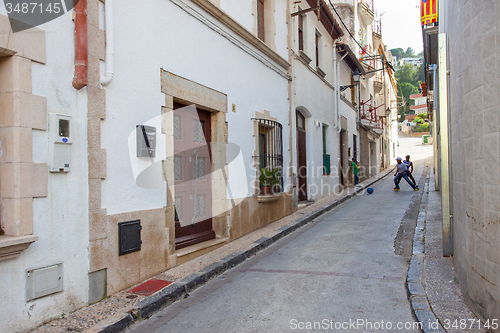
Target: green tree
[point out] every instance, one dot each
(406, 89)
(407, 74)
(398, 53)
(421, 73)
(422, 122)
(410, 53)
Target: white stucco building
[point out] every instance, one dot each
(420, 103)
(313, 102)
(62, 239)
(374, 98)
(134, 137)
(415, 62)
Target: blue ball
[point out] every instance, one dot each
(369, 190)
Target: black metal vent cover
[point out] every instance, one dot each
(129, 236)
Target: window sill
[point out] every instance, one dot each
(269, 197)
(304, 56)
(320, 72)
(11, 247)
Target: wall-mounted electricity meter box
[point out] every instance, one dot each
(60, 141)
(146, 141)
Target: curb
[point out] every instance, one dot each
(416, 293)
(182, 288)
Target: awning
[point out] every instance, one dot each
(351, 59)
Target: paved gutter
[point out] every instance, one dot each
(414, 281)
(433, 287)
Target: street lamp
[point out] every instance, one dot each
(356, 75)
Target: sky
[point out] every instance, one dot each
(400, 23)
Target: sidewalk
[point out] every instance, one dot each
(433, 287)
(118, 311)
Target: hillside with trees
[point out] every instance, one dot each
(408, 79)
(409, 53)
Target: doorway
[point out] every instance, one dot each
(373, 159)
(344, 155)
(301, 157)
(192, 175)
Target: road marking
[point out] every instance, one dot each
(364, 276)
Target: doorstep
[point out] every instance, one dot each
(191, 252)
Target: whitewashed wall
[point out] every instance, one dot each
(61, 219)
(241, 11)
(281, 28)
(177, 42)
(317, 97)
(346, 111)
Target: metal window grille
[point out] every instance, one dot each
(270, 134)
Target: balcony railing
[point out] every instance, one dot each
(368, 3)
(369, 116)
(366, 11)
(377, 27)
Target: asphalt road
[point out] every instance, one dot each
(345, 271)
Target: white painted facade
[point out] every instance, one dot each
(349, 110)
(180, 37)
(420, 103)
(412, 61)
(60, 220)
(313, 95)
(179, 43)
(376, 141)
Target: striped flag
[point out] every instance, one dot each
(428, 11)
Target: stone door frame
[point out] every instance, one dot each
(184, 91)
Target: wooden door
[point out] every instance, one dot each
(301, 157)
(192, 174)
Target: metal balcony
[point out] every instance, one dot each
(365, 8)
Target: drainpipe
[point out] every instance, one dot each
(337, 90)
(335, 82)
(444, 133)
(110, 50)
(81, 46)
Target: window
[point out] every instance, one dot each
(318, 48)
(260, 19)
(270, 157)
(301, 32)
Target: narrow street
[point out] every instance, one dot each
(340, 271)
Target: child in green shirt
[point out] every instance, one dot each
(355, 171)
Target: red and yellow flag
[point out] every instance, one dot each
(428, 11)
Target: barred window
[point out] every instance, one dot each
(270, 158)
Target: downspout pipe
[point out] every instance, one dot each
(110, 48)
(80, 79)
(337, 90)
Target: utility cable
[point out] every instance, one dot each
(347, 29)
(371, 55)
